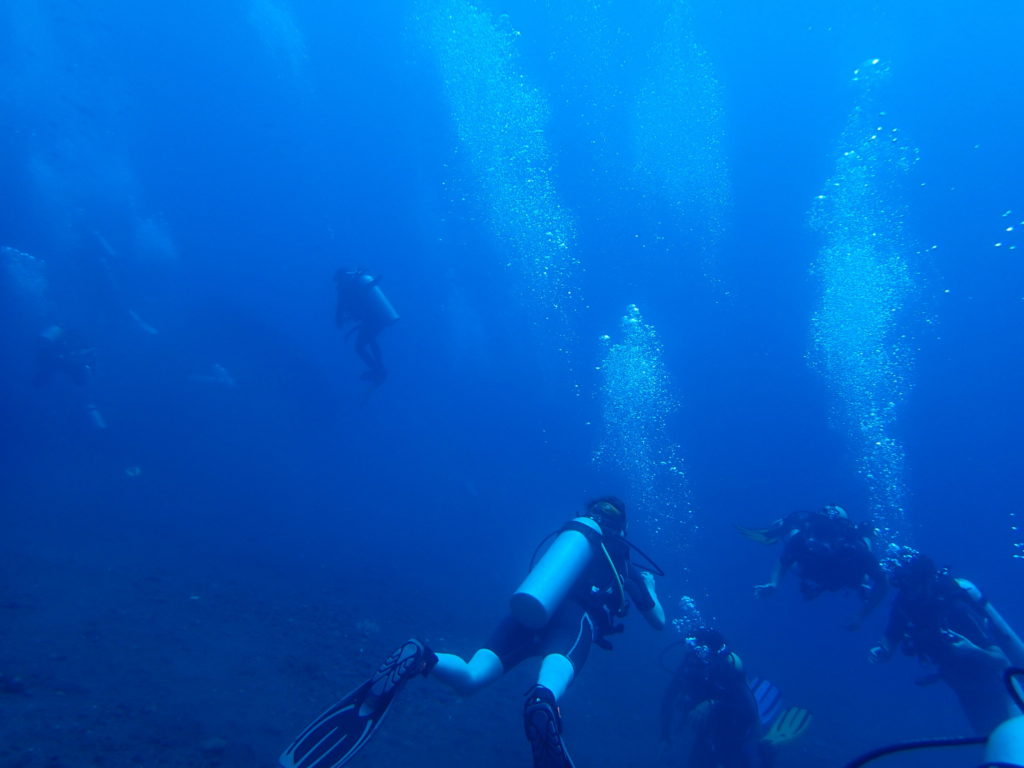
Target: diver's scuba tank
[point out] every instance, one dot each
(377, 303)
(1005, 746)
(550, 580)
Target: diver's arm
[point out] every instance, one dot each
(875, 592)
(992, 656)
(891, 639)
(879, 583)
(790, 553)
(778, 574)
(654, 613)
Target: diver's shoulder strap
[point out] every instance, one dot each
(594, 537)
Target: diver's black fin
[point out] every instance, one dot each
(543, 725)
(339, 733)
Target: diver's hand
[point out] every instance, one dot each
(648, 578)
(960, 645)
(765, 590)
(879, 654)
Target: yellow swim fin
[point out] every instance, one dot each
(760, 535)
(788, 726)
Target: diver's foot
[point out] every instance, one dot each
(409, 659)
(543, 726)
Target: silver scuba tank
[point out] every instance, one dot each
(550, 580)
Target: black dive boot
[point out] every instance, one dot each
(543, 725)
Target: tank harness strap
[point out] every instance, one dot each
(592, 536)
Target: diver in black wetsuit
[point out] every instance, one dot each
(361, 301)
(710, 691)
(943, 621)
(830, 553)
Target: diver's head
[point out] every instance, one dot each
(913, 571)
(609, 512)
(708, 650)
(834, 512)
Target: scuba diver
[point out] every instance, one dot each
(62, 352)
(711, 691)
(361, 301)
(831, 554)
(573, 597)
(736, 723)
(949, 625)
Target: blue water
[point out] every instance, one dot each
(678, 252)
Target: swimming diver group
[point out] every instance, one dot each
(576, 594)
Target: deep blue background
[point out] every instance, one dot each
(421, 502)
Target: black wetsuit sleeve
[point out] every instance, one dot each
(637, 589)
(873, 569)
